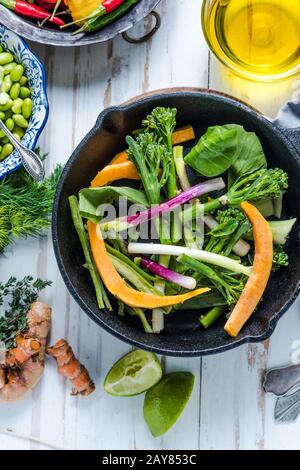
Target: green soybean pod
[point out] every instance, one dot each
(17, 106)
(6, 151)
(0, 149)
(10, 124)
(6, 107)
(5, 140)
(18, 131)
(20, 121)
(15, 91)
(6, 58)
(17, 136)
(2, 115)
(24, 92)
(9, 67)
(17, 73)
(23, 81)
(8, 114)
(2, 134)
(27, 108)
(4, 98)
(6, 84)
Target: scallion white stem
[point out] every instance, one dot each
(201, 255)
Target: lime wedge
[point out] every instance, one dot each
(165, 402)
(133, 374)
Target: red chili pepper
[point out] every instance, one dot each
(111, 5)
(33, 12)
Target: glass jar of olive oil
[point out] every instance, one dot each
(259, 39)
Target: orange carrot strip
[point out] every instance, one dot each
(111, 173)
(262, 267)
(183, 135)
(116, 285)
(120, 158)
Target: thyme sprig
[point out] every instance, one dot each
(19, 295)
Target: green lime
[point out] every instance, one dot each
(133, 374)
(165, 402)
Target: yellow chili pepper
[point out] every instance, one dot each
(81, 9)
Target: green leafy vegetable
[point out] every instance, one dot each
(91, 198)
(215, 152)
(250, 155)
(19, 296)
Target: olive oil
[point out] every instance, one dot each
(255, 37)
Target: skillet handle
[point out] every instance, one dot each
(288, 118)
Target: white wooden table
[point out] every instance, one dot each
(228, 409)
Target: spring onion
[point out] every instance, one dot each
(201, 255)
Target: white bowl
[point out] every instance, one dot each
(36, 75)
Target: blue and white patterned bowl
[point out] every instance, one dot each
(36, 75)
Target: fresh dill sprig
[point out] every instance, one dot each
(25, 205)
(21, 295)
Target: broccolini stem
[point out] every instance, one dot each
(211, 316)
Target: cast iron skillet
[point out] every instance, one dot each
(201, 108)
(55, 37)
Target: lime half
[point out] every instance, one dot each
(165, 402)
(133, 374)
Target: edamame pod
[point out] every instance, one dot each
(7, 83)
(20, 121)
(23, 81)
(17, 106)
(4, 98)
(9, 67)
(7, 106)
(6, 150)
(24, 92)
(17, 73)
(27, 108)
(18, 131)
(15, 91)
(6, 58)
(10, 124)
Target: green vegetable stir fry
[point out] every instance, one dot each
(205, 247)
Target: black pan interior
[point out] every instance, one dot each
(182, 334)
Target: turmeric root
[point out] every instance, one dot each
(24, 365)
(69, 367)
(26, 348)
